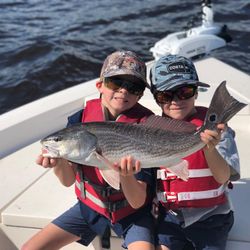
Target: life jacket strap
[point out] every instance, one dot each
(112, 206)
(164, 174)
(105, 238)
(104, 191)
(185, 196)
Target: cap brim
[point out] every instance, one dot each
(126, 73)
(202, 84)
(178, 84)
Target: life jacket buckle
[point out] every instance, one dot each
(106, 192)
(163, 174)
(167, 196)
(113, 206)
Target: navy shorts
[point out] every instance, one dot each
(85, 223)
(209, 234)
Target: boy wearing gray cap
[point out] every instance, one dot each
(99, 207)
(193, 214)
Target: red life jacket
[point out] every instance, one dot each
(201, 189)
(90, 187)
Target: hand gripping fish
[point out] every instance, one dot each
(159, 141)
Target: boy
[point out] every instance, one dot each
(99, 207)
(203, 220)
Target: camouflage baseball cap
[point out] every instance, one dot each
(172, 71)
(124, 63)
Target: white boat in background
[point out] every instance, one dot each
(194, 42)
(31, 196)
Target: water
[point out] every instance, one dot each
(46, 46)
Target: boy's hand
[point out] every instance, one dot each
(128, 166)
(212, 138)
(47, 162)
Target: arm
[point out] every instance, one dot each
(217, 164)
(228, 150)
(64, 170)
(134, 190)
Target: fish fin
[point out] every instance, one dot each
(165, 123)
(111, 176)
(95, 159)
(222, 108)
(180, 169)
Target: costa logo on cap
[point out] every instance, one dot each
(178, 67)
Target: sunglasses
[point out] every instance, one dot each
(183, 93)
(114, 84)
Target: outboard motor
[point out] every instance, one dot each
(194, 42)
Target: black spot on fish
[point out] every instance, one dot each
(213, 118)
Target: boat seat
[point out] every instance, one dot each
(47, 198)
(15, 176)
(33, 208)
(240, 191)
(241, 204)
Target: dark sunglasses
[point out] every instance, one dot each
(183, 93)
(114, 84)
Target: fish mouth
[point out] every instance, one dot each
(50, 152)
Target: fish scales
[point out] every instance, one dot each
(117, 140)
(151, 143)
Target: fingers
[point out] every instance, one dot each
(46, 162)
(222, 127)
(129, 166)
(211, 138)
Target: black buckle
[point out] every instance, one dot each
(105, 192)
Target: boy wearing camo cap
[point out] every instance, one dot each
(99, 207)
(194, 214)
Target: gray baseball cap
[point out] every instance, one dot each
(124, 63)
(172, 71)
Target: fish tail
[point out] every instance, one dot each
(222, 107)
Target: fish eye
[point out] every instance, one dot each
(57, 139)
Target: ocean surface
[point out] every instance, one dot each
(50, 45)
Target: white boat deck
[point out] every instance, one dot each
(31, 196)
